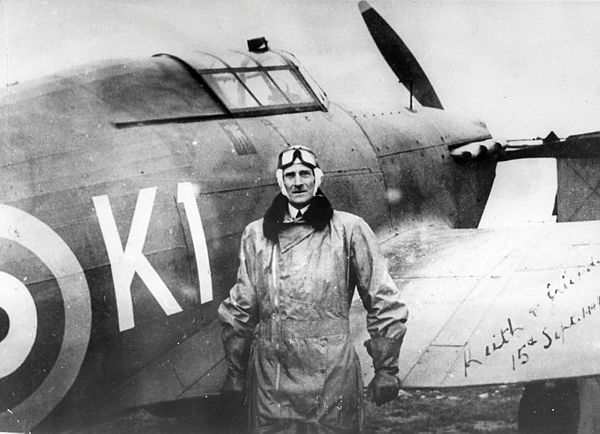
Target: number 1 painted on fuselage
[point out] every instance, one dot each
(185, 196)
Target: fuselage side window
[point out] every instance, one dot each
(267, 90)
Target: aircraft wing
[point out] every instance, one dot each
(492, 306)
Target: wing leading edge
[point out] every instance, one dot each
(495, 306)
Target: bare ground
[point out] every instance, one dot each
(490, 409)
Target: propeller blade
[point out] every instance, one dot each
(576, 146)
(399, 57)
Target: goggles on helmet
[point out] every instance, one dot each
(297, 154)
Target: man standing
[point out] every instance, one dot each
(285, 323)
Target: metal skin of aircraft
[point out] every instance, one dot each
(125, 186)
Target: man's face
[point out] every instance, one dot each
(299, 183)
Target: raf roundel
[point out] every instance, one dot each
(22, 320)
(20, 323)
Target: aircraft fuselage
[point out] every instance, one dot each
(122, 210)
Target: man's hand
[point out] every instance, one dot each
(233, 391)
(384, 387)
(234, 398)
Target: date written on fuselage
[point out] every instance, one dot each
(126, 262)
(528, 334)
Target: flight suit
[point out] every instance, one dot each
(292, 299)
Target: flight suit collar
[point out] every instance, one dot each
(317, 215)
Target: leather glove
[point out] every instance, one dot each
(383, 388)
(233, 391)
(385, 385)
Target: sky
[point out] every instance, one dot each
(525, 68)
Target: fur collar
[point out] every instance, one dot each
(318, 214)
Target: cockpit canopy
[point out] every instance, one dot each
(248, 81)
(269, 82)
